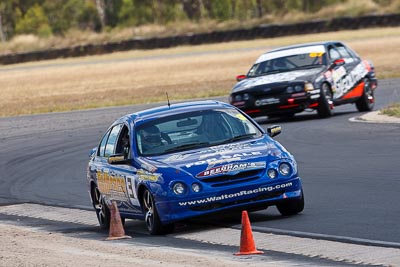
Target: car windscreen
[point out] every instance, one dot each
(193, 130)
(289, 62)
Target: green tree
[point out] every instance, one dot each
(112, 9)
(192, 9)
(222, 9)
(88, 18)
(244, 9)
(34, 21)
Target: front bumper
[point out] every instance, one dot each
(264, 105)
(251, 196)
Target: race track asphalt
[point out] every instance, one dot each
(350, 170)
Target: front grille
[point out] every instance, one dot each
(263, 90)
(241, 177)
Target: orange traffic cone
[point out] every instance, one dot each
(247, 245)
(116, 228)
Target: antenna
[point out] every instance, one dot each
(169, 105)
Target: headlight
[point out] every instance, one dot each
(178, 188)
(308, 86)
(272, 173)
(298, 88)
(246, 97)
(196, 187)
(238, 98)
(289, 89)
(284, 169)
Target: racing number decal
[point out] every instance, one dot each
(131, 190)
(130, 187)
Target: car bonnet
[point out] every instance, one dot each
(224, 159)
(301, 75)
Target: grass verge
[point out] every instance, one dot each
(392, 110)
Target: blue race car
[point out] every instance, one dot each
(185, 160)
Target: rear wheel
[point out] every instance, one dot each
(153, 223)
(366, 101)
(325, 105)
(102, 210)
(292, 206)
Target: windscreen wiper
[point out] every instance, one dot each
(187, 146)
(237, 138)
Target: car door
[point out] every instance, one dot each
(116, 179)
(355, 70)
(347, 70)
(338, 71)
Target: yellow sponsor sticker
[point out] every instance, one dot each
(241, 117)
(316, 54)
(108, 183)
(144, 175)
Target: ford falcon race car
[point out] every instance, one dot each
(315, 76)
(185, 160)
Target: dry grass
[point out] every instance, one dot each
(128, 78)
(392, 110)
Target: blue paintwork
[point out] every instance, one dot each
(189, 167)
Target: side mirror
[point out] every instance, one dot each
(240, 77)
(338, 62)
(91, 154)
(117, 159)
(274, 130)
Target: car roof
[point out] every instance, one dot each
(176, 108)
(299, 48)
(324, 43)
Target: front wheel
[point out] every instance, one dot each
(325, 104)
(292, 206)
(152, 220)
(102, 210)
(366, 101)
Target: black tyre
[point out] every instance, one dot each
(152, 220)
(102, 210)
(291, 207)
(366, 101)
(325, 105)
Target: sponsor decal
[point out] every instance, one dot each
(344, 83)
(177, 158)
(298, 94)
(316, 54)
(266, 101)
(147, 166)
(148, 176)
(259, 190)
(232, 168)
(241, 117)
(338, 73)
(228, 148)
(222, 158)
(112, 186)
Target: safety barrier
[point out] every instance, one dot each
(262, 31)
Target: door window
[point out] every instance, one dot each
(102, 146)
(112, 140)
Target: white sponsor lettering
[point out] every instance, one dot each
(232, 168)
(235, 195)
(344, 83)
(213, 161)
